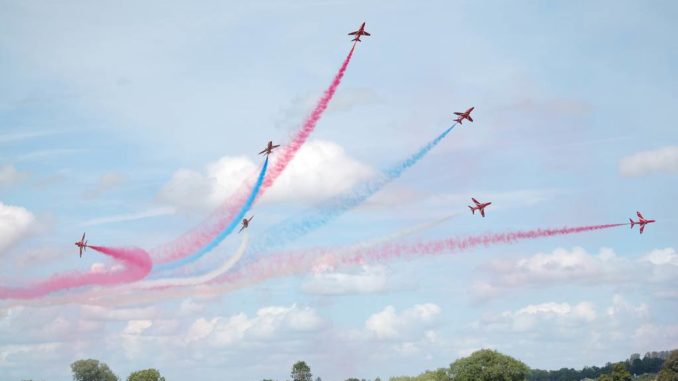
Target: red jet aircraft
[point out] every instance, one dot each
(245, 223)
(464, 115)
(269, 148)
(82, 244)
(358, 33)
(641, 221)
(479, 206)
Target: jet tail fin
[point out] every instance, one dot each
(356, 39)
(632, 223)
(473, 211)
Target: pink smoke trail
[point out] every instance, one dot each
(295, 263)
(137, 264)
(278, 266)
(208, 229)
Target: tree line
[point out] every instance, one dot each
(489, 365)
(482, 365)
(650, 363)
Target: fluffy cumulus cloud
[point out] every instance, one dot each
(268, 324)
(321, 169)
(666, 256)
(575, 266)
(661, 160)
(15, 223)
(572, 329)
(529, 318)
(389, 324)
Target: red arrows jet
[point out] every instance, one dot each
(269, 148)
(82, 244)
(479, 206)
(245, 223)
(464, 115)
(641, 221)
(358, 33)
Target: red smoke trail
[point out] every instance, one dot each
(294, 263)
(208, 229)
(137, 264)
(309, 125)
(275, 266)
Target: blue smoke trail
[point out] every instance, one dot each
(224, 233)
(294, 228)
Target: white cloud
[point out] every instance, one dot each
(565, 321)
(388, 324)
(320, 169)
(562, 313)
(106, 182)
(268, 324)
(662, 257)
(659, 160)
(9, 175)
(15, 223)
(620, 308)
(371, 279)
(136, 327)
(574, 266)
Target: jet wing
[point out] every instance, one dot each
(264, 151)
(642, 227)
(458, 113)
(241, 228)
(353, 33)
(80, 251)
(469, 118)
(475, 201)
(640, 216)
(83, 237)
(366, 34)
(482, 212)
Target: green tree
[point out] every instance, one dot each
(301, 372)
(352, 379)
(441, 374)
(92, 370)
(488, 365)
(669, 371)
(620, 373)
(146, 375)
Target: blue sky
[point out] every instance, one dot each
(132, 120)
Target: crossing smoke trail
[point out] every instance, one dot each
(294, 228)
(290, 264)
(92, 296)
(204, 248)
(137, 265)
(217, 222)
(196, 280)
